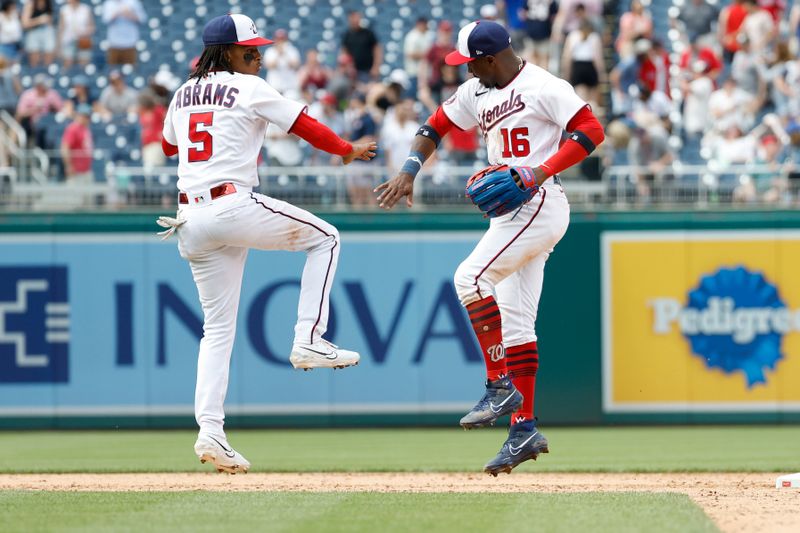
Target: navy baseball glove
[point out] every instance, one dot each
(500, 189)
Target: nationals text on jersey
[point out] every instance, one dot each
(490, 117)
(212, 94)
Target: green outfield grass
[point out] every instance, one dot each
(292, 512)
(662, 449)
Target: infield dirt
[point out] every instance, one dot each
(735, 502)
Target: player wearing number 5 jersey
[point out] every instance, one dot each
(522, 111)
(216, 124)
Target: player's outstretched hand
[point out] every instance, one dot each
(362, 151)
(393, 190)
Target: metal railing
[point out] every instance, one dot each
(347, 188)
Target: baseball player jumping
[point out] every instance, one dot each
(216, 124)
(522, 111)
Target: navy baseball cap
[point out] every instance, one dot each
(232, 29)
(478, 39)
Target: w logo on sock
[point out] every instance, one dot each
(496, 352)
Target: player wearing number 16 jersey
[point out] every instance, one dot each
(216, 124)
(522, 111)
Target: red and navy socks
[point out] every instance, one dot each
(485, 317)
(522, 362)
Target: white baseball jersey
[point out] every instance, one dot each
(522, 125)
(521, 122)
(219, 124)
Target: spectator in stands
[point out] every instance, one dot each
(382, 97)
(326, 110)
(782, 91)
(282, 61)
(118, 98)
(758, 27)
(283, 149)
(75, 30)
(515, 22)
(697, 90)
(749, 70)
(625, 76)
(698, 17)
(462, 146)
(34, 104)
(161, 87)
(794, 28)
(538, 16)
(415, 47)
(123, 19)
(634, 24)
(80, 93)
(650, 152)
(698, 52)
(313, 75)
(10, 31)
(572, 12)
(775, 8)
(654, 70)
(40, 34)
(9, 87)
(582, 62)
(76, 148)
(343, 80)
(9, 95)
(360, 127)
(770, 185)
(397, 134)
(655, 103)
(430, 70)
(363, 46)
(731, 18)
(151, 120)
(729, 107)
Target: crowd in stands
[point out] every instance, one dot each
(677, 82)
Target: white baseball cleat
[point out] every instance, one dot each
(221, 454)
(322, 354)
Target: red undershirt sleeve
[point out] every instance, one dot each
(440, 122)
(572, 152)
(319, 135)
(168, 149)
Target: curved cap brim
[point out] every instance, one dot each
(258, 41)
(454, 58)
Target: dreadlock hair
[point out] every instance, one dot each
(214, 57)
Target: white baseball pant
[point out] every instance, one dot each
(215, 240)
(508, 262)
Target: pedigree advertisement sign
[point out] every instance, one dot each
(701, 321)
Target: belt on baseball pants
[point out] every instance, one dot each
(214, 192)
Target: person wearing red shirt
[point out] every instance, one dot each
(775, 8)
(151, 120)
(730, 20)
(696, 52)
(430, 69)
(76, 148)
(654, 71)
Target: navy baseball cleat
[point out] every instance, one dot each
(524, 442)
(501, 398)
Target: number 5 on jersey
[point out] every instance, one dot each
(198, 134)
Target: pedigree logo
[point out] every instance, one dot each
(734, 320)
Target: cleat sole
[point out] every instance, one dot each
(235, 469)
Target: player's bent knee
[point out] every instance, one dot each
(466, 288)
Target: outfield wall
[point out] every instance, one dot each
(645, 318)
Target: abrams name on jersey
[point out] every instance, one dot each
(206, 94)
